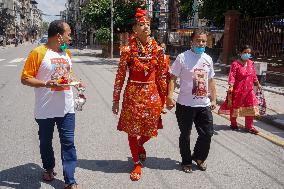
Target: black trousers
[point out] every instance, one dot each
(203, 120)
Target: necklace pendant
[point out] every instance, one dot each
(145, 72)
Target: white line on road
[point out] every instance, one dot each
(11, 65)
(2, 59)
(76, 59)
(17, 60)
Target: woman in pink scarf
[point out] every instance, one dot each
(241, 100)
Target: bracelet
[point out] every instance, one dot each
(45, 83)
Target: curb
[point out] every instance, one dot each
(270, 138)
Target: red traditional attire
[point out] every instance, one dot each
(242, 101)
(144, 94)
(146, 84)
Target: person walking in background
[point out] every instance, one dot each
(141, 110)
(53, 104)
(241, 100)
(195, 70)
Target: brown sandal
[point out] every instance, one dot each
(48, 175)
(135, 175)
(186, 168)
(200, 164)
(72, 186)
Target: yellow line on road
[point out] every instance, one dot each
(270, 138)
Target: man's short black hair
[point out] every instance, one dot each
(55, 27)
(198, 31)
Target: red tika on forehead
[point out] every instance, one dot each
(141, 15)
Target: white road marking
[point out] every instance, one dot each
(76, 59)
(2, 59)
(17, 60)
(11, 65)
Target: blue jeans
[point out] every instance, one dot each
(66, 128)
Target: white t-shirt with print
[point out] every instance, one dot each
(53, 102)
(194, 70)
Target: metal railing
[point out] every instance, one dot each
(265, 35)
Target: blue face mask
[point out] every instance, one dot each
(63, 46)
(199, 50)
(245, 56)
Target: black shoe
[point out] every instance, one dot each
(186, 168)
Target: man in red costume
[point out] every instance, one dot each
(141, 110)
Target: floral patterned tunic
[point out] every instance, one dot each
(146, 84)
(244, 102)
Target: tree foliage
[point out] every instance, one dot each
(185, 9)
(97, 14)
(45, 27)
(103, 35)
(214, 9)
(5, 19)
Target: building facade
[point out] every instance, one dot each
(72, 15)
(20, 19)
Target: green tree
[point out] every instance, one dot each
(214, 10)
(124, 14)
(103, 35)
(5, 19)
(45, 27)
(97, 14)
(185, 10)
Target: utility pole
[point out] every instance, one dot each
(195, 13)
(111, 28)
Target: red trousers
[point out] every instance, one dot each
(248, 121)
(136, 145)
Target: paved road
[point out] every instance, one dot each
(236, 159)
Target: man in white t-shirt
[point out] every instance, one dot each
(46, 67)
(195, 70)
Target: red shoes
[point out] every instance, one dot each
(252, 130)
(135, 175)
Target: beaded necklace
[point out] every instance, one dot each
(144, 59)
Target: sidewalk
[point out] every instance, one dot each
(274, 94)
(13, 45)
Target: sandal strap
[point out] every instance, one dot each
(138, 163)
(187, 168)
(70, 186)
(48, 175)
